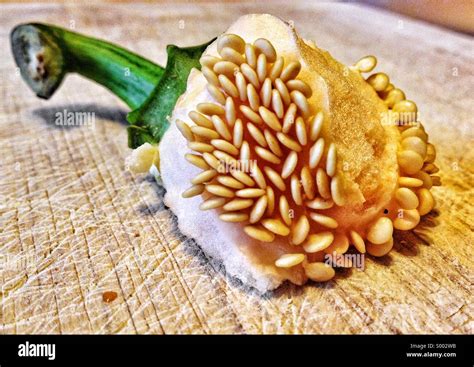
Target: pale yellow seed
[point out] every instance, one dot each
(204, 132)
(290, 71)
(251, 55)
(336, 191)
(197, 161)
(265, 47)
(378, 81)
(225, 146)
(315, 153)
(318, 242)
(229, 54)
(256, 134)
(261, 67)
(258, 209)
(331, 160)
(238, 135)
(271, 201)
(430, 168)
(296, 190)
(250, 193)
(253, 98)
(243, 177)
(208, 61)
(290, 164)
(276, 69)
(407, 108)
(277, 104)
(316, 125)
(234, 217)
(415, 144)
(273, 143)
(270, 118)
(284, 208)
(324, 220)
(267, 155)
(210, 76)
(366, 64)
(266, 92)
(430, 153)
(301, 102)
(221, 127)
(185, 130)
(230, 112)
(232, 41)
(200, 147)
(410, 161)
(259, 233)
(289, 119)
(297, 84)
(319, 272)
(300, 128)
(244, 151)
(275, 178)
(300, 230)
(250, 74)
(409, 182)
(251, 115)
(308, 183)
(340, 244)
(230, 182)
(358, 242)
(225, 157)
(238, 204)
(380, 250)
(212, 203)
(220, 190)
(193, 191)
(228, 86)
(381, 231)
(426, 178)
(406, 198)
(210, 109)
(415, 131)
(241, 85)
(200, 119)
(216, 94)
(320, 204)
(212, 161)
(289, 260)
(276, 226)
(406, 220)
(393, 97)
(203, 177)
(288, 142)
(257, 175)
(283, 90)
(426, 200)
(322, 182)
(225, 68)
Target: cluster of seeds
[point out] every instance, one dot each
(265, 164)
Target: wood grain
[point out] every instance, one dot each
(74, 224)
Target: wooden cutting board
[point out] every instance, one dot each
(74, 224)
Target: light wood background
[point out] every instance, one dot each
(74, 224)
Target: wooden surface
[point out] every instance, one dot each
(74, 224)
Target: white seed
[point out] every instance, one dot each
(257, 175)
(232, 41)
(250, 193)
(426, 200)
(241, 85)
(273, 143)
(316, 125)
(322, 182)
(229, 54)
(216, 94)
(266, 48)
(221, 127)
(308, 183)
(289, 260)
(225, 157)
(380, 250)
(276, 69)
(406, 198)
(210, 76)
(318, 242)
(411, 162)
(251, 115)
(289, 119)
(261, 67)
(297, 84)
(270, 118)
(267, 155)
(320, 204)
(197, 161)
(205, 176)
(300, 127)
(208, 61)
(336, 191)
(220, 190)
(238, 135)
(290, 164)
(200, 119)
(244, 152)
(358, 242)
(290, 71)
(300, 230)
(250, 74)
(193, 191)
(266, 92)
(283, 90)
(324, 220)
(381, 231)
(415, 144)
(230, 112)
(256, 134)
(210, 109)
(340, 244)
(379, 81)
(275, 178)
(228, 86)
(251, 55)
(366, 64)
(316, 152)
(212, 203)
(185, 130)
(331, 160)
(204, 132)
(409, 182)
(200, 147)
(288, 142)
(259, 233)
(243, 177)
(301, 102)
(234, 217)
(238, 204)
(277, 104)
(319, 272)
(271, 201)
(407, 220)
(253, 98)
(296, 190)
(258, 209)
(284, 208)
(225, 68)
(276, 226)
(212, 161)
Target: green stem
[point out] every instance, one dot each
(45, 54)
